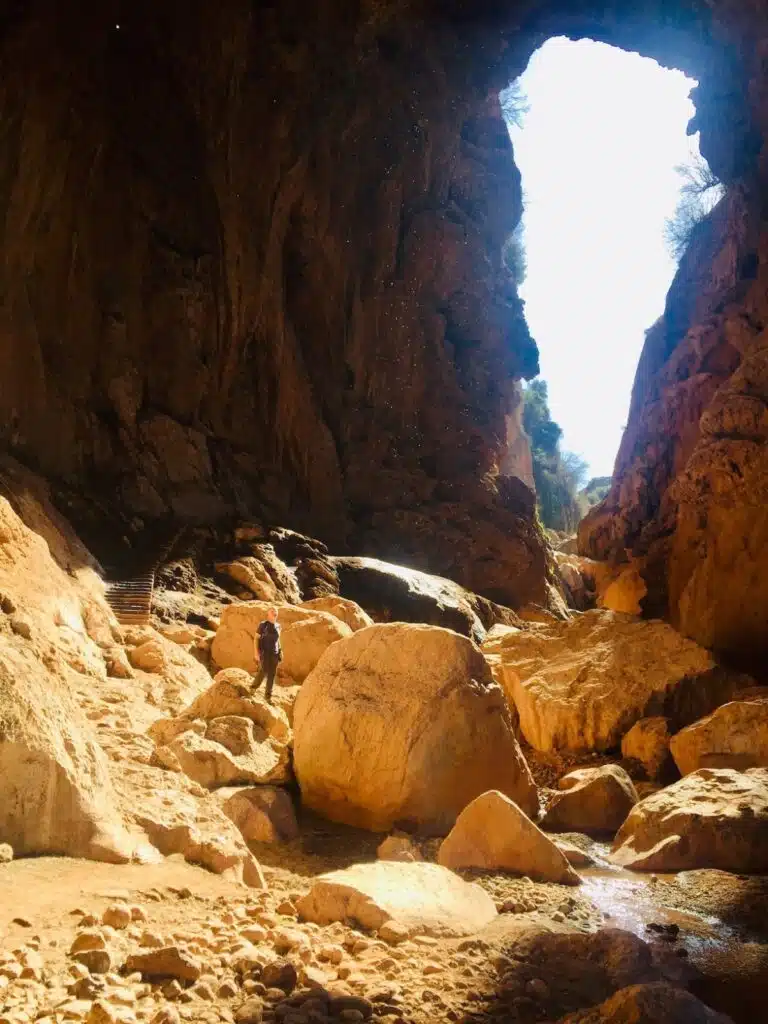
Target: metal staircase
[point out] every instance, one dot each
(131, 599)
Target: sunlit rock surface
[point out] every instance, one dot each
(734, 736)
(713, 818)
(402, 725)
(581, 685)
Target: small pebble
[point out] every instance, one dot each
(250, 1012)
(21, 628)
(537, 988)
(117, 916)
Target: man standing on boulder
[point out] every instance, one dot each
(267, 651)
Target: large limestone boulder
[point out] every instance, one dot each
(305, 636)
(397, 593)
(270, 566)
(713, 818)
(284, 698)
(498, 638)
(657, 1002)
(578, 586)
(592, 800)
(493, 833)
(590, 584)
(183, 675)
(56, 796)
(493, 651)
(264, 814)
(347, 611)
(581, 685)
(424, 899)
(228, 736)
(185, 634)
(232, 693)
(624, 591)
(734, 736)
(648, 742)
(249, 573)
(229, 754)
(403, 724)
(177, 821)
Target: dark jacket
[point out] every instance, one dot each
(268, 635)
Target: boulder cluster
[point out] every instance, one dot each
(139, 743)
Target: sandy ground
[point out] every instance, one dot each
(44, 904)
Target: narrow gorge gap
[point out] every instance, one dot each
(613, 187)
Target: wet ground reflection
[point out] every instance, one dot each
(727, 959)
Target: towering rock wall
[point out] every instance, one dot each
(688, 500)
(250, 259)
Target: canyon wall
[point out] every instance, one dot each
(688, 500)
(250, 263)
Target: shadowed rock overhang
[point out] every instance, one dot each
(251, 262)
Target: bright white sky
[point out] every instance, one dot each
(597, 154)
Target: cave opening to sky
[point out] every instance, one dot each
(600, 138)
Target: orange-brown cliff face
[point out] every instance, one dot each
(688, 501)
(251, 261)
(251, 258)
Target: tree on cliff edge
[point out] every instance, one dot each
(514, 104)
(700, 192)
(513, 255)
(514, 107)
(557, 475)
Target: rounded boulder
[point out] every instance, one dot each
(348, 611)
(592, 800)
(403, 725)
(304, 637)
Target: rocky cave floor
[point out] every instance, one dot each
(176, 935)
(243, 956)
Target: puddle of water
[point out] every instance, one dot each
(734, 976)
(629, 902)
